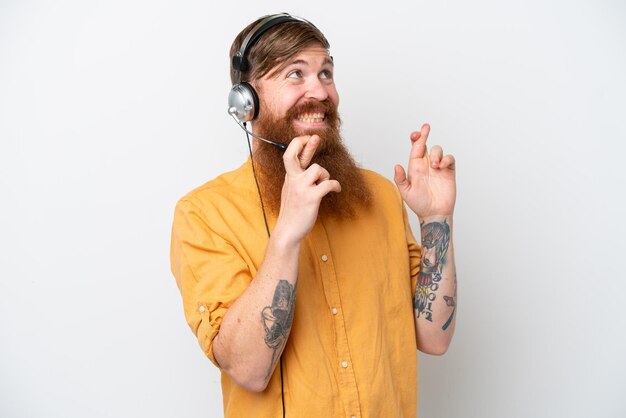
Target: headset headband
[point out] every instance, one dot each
(240, 61)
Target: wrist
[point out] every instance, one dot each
(284, 243)
(435, 218)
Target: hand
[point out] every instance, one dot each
(303, 189)
(429, 186)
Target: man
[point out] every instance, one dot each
(304, 289)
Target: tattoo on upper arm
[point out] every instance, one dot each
(435, 242)
(277, 319)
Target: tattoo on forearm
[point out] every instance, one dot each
(450, 301)
(435, 241)
(277, 319)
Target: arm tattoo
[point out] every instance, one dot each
(277, 319)
(435, 241)
(450, 301)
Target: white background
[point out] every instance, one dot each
(112, 110)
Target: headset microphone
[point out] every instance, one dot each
(233, 111)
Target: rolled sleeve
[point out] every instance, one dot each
(209, 272)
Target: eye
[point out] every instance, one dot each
(326, 75)
(295, 74)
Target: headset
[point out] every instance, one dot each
(243, 106)
(243, 102)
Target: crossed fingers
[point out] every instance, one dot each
(420, 150)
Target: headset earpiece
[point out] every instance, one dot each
(243, 102)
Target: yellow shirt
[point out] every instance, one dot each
(351, 351)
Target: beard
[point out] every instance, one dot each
(331, 154)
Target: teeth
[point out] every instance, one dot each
(311, 117)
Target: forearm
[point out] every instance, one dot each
(435, 297)
(255, 329)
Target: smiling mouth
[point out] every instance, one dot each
(311, 117)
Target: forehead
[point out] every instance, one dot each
(315, 55)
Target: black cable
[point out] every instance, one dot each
(267, 228)
(282, 389)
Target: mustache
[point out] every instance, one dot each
(314, 106)
(280, 129)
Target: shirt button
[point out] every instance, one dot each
(344, 364)
(324, 258)
(202, 308)
(334, 311)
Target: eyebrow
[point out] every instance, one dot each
(327, 61)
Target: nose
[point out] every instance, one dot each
(316, 89)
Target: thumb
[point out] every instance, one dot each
(399, 176)
(309, 151)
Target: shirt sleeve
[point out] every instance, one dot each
(209, 272)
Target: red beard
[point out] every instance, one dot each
(330, 154)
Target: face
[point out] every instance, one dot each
(305, 82)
